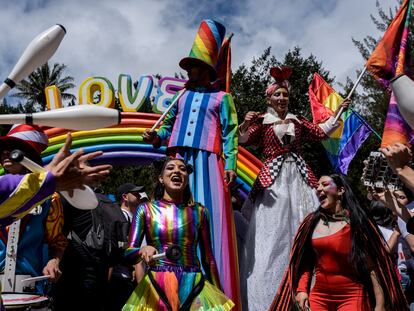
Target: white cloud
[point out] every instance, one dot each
(323, 28)
(106, 38)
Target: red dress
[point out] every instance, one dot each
(335, 285)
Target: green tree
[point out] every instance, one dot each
(372, 102)
(249, 83)
(8, 109)
(143, 175)
(5, 108)
(33, 88)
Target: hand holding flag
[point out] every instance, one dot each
(345, 141)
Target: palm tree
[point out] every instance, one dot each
(33, 88)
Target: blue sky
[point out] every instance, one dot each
(107, 37)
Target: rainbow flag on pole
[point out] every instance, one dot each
(223, 67)
(344, 143)
(387, 61)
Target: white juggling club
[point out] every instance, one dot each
(81, 199)
(79, 118)
(37, 53)
(403, 88)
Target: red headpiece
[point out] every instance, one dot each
(281, 75)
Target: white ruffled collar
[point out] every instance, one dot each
(272, 117)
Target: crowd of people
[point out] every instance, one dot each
(301, 243)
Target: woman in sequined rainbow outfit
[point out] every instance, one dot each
(172, 219)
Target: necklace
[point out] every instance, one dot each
(340, 216)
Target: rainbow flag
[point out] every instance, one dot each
(387, 61)
(223, 67)
(343, 144)
(390, 51)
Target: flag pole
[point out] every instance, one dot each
(341, 110)
(180, 93)
(228, 72)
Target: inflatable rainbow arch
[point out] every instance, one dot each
(123, 145)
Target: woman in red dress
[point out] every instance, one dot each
(342, 248)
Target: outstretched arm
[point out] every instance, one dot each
(19, 194)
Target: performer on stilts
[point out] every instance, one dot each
(201, 128)
(284, 191)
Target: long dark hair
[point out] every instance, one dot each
(368, 253)
(367, 250)
(365, 242)
(159, 187)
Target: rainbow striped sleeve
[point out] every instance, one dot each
(136, 235)
(21, 193)
(229, 128)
